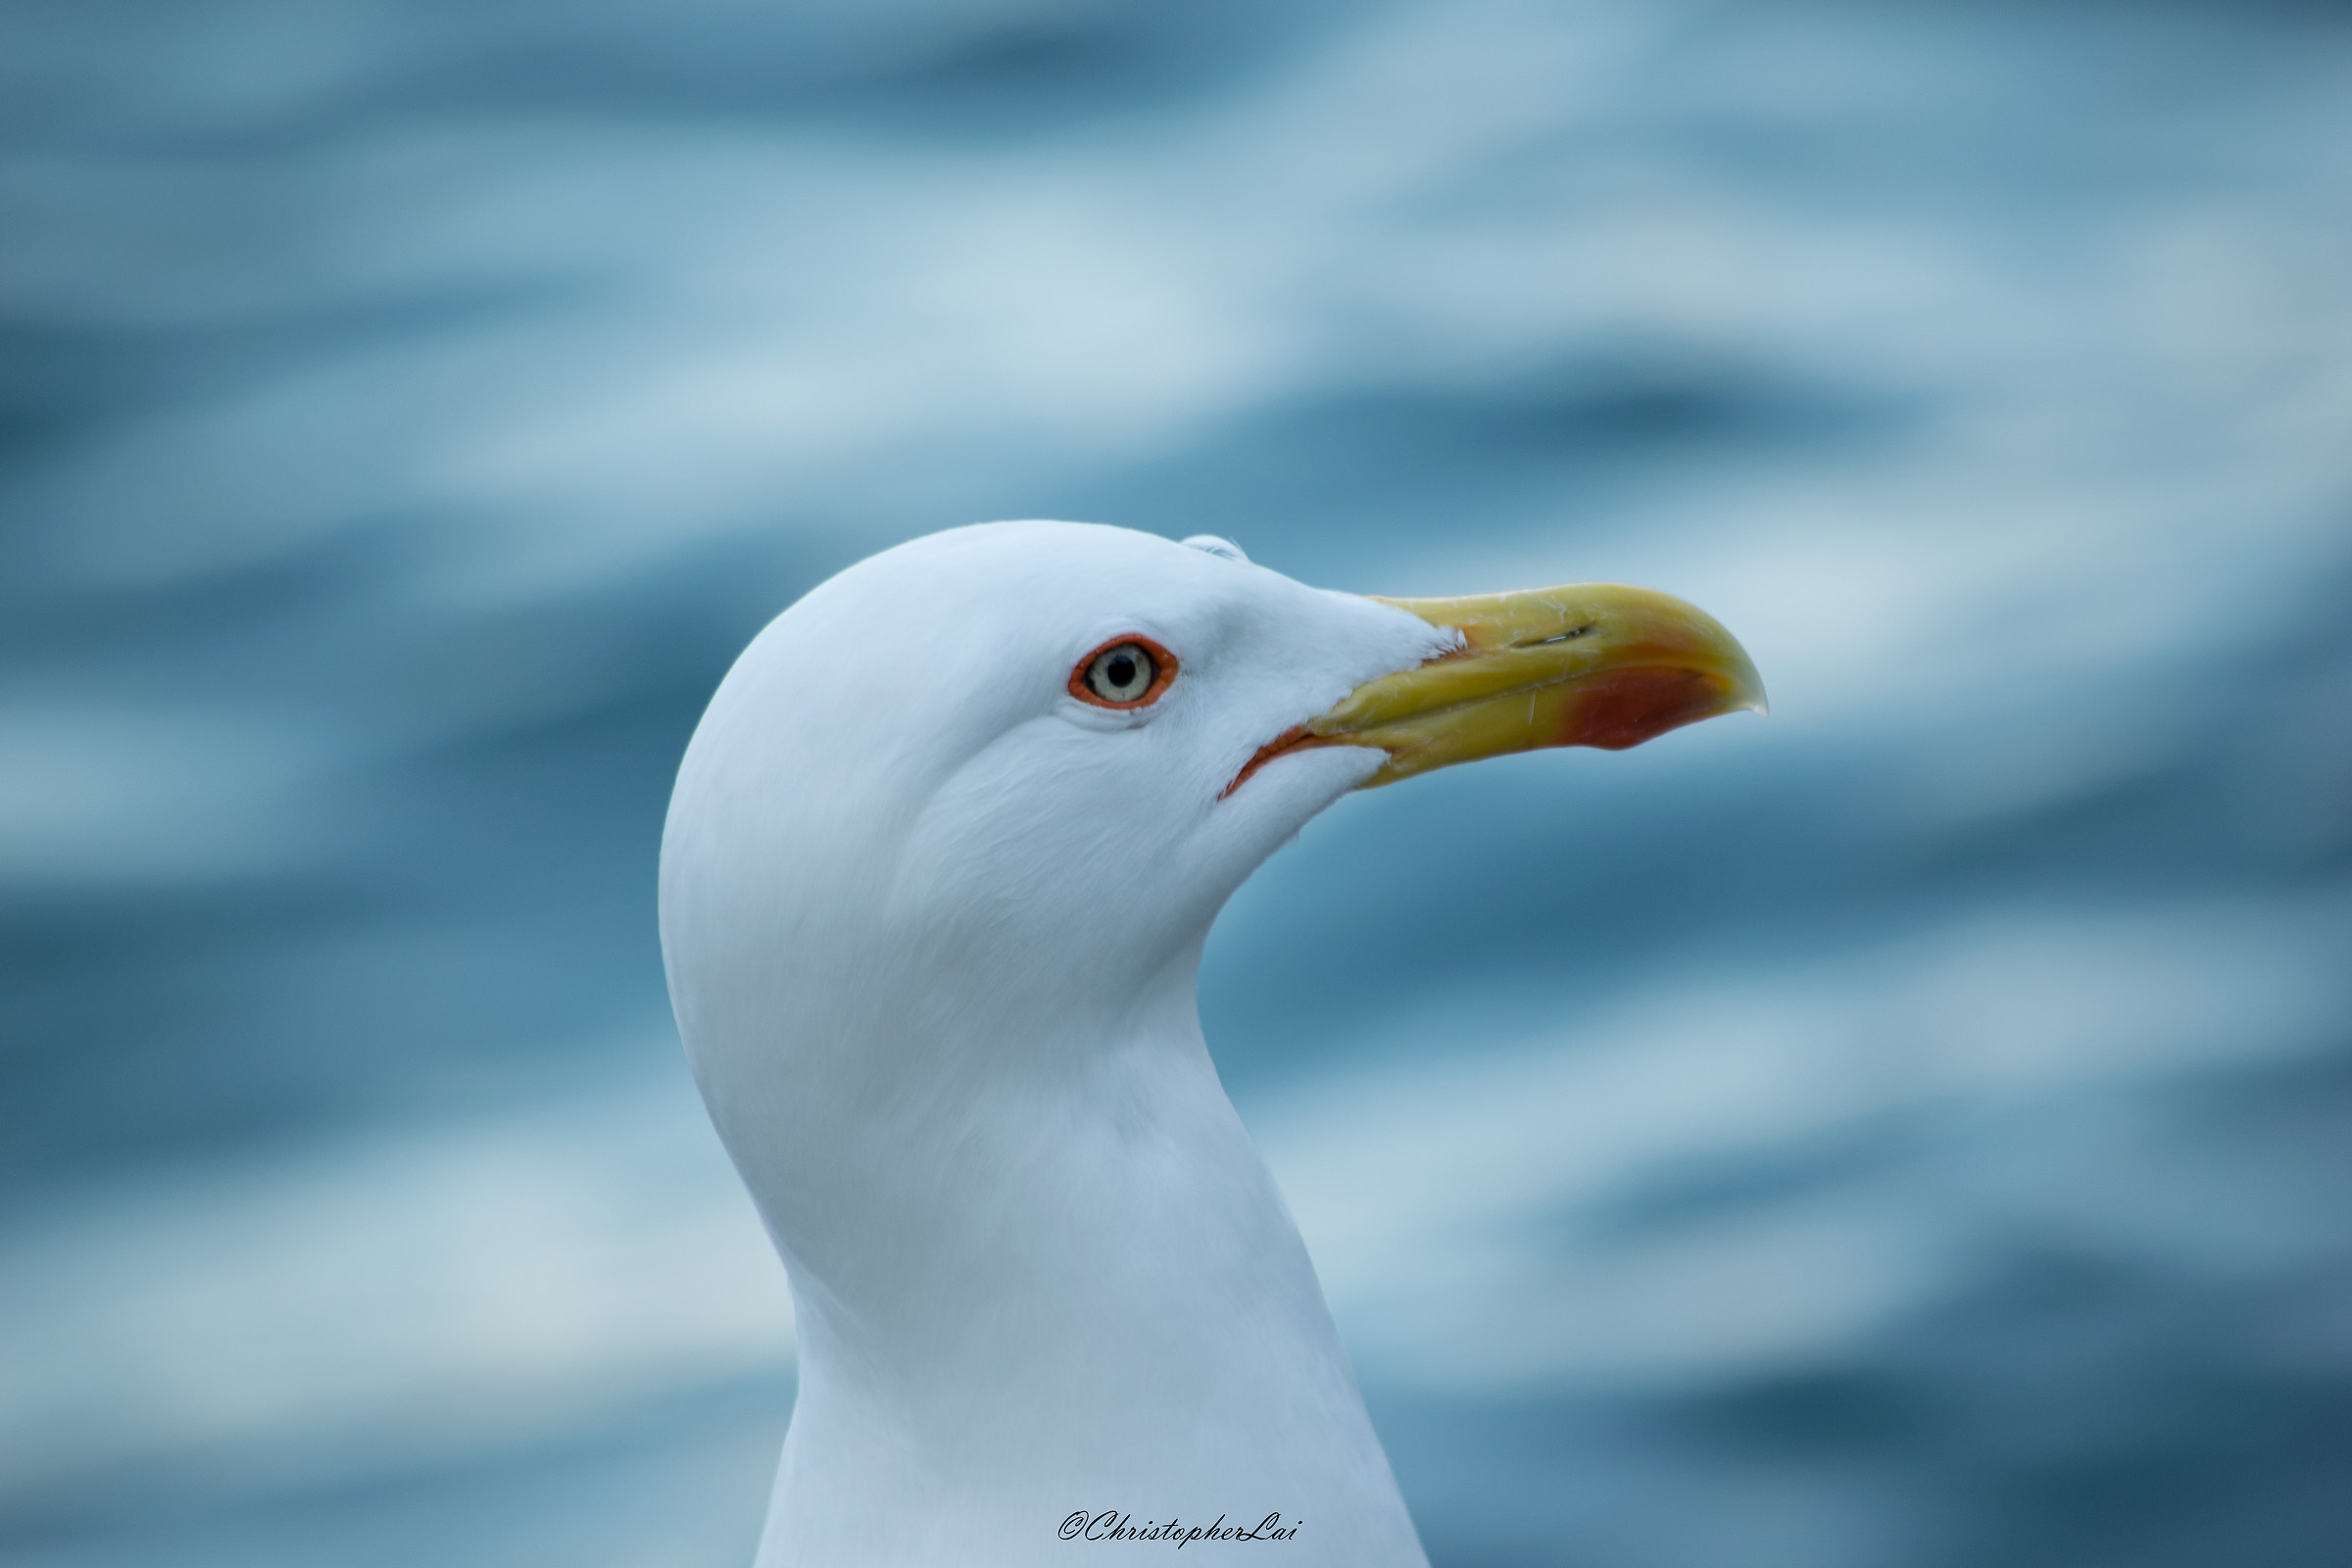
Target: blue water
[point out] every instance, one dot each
(1913, 1130)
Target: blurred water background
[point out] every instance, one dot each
(1915, 1130)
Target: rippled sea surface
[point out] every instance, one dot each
(1912, 1131)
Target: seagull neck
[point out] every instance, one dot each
(1098, 1173)
(1018, 1263)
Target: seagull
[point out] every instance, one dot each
(935, 881)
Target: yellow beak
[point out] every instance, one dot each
(1585, 665)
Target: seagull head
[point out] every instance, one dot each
(1019, 767)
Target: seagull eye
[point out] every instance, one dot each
(1121, 674)
(1126, 673)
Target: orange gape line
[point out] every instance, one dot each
(1294, 739)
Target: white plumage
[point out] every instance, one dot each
(932, 919)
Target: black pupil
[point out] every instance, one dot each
(1121, 671)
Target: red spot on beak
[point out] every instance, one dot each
(1624, 708)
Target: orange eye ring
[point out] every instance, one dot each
(1163, 674)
